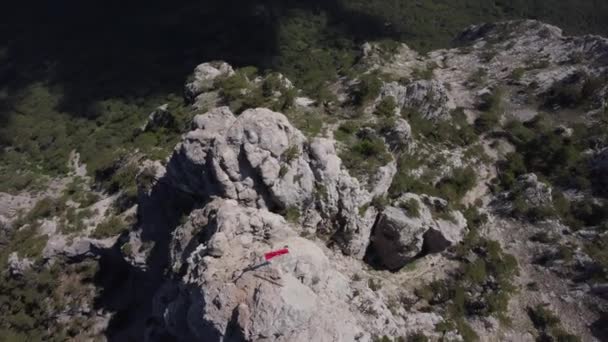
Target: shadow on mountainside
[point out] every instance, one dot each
(95, 50)
(127, 291)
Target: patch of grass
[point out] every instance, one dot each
(426, 73)
(412, 206)
(45, 208)
(549, 326)
(292, 214)
(112, 226)
(309, 122)
(347, 130)
(28, 243)
(365, 156)
(291, 153)
(455, 131)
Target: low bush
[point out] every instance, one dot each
(456, 185)
(454, 131)
(412, 207)
(365, 156)
(112, 226)
(292, 214)
(386, 107)
(347, 130)
(426, 73)
(549, 326)
(368, 89)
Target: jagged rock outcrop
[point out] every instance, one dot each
(226, 294)
(400, 234)
(427, 97)
(260, 160)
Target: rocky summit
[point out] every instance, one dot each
(457, 195)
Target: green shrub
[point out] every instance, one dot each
(542, 317)
(28, 243)
(310, 123)
(346, 130)
(291, 154)
(486, 122)
(365, 156)
(379, 202)
(112, 226)
(456, 185)
(292, 214)
(386, 107)
(368, 89)
(412, 207)
(454, 131)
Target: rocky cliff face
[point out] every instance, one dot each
(411, 201)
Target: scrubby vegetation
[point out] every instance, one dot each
(560, 159)
(454, 131)
(482, 286)
(364, 152)
(451, 187)
(548, 325)
(112, 226)
(32, 301)
(42, 136)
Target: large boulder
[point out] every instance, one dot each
(260, 160)
(401, 234)
(228, 293)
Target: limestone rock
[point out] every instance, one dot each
(260, 160)
(204, 77)
(428, 97)
(401, 235)
(78, 248)
(228, 295)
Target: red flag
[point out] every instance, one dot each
(277, 253)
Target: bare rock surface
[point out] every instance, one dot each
(260, 160)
